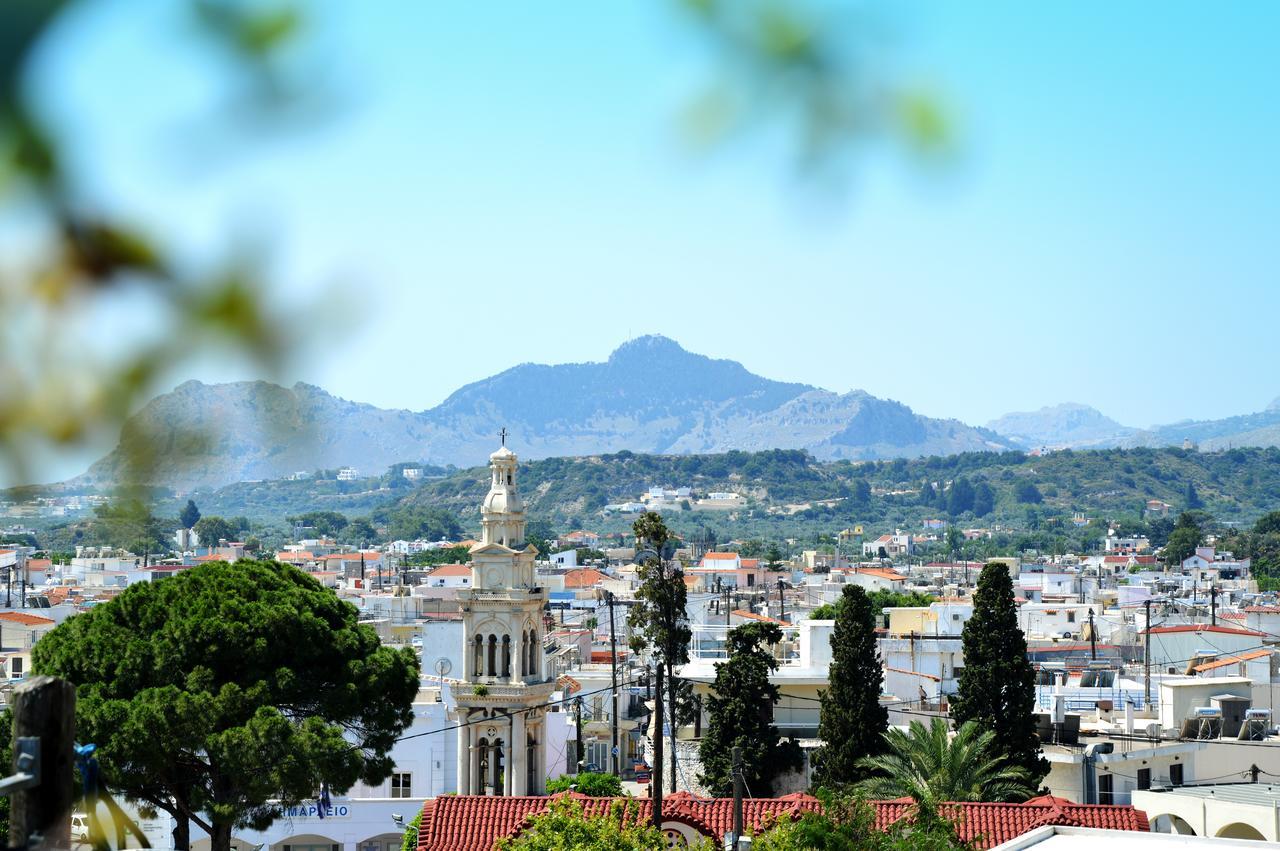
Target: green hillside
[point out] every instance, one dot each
(1029, 502)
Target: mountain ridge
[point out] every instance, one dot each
(650, 395)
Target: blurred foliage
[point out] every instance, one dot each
(82, 256)
(816, 71)
(812, 69)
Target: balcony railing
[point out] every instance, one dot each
(709, 644)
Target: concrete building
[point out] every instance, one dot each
(1229, 811)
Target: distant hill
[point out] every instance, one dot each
(649, 396)
(791, 493)
(1260, 429)
(1065, 425)
(203, 436)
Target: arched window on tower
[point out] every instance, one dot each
(524, 653)
(477, 658)
(533, 653)
(506, 655)
(493, 655)
(509, 482)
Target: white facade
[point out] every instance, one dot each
(503, 687)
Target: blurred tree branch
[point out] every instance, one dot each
(79, 256)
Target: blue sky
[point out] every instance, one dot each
(507, 182)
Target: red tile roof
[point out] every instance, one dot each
(585, 577)
(476, 822)
(25, 619)
(719, 556)
(1262, 610)
(880, 573)
(1225, 661)
(451, 570)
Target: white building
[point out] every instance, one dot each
(503, 690)
(348, 474)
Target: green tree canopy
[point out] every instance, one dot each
(1183, 540)
(1027, 492)
(325, 523)
(593, 784)
(960, 497)
(852, 721)
(230, 690)
(212, 529)
(361, 532)
(880, 599)
(658, 619)
(929, 766)
(848, 823)
(1268, 524)
(997, 685)
(566, 827)
(189, 514)
(740, 710)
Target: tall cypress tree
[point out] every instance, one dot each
(853, 721)
(741, 715)
(998, 685)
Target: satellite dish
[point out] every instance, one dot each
(443, 666)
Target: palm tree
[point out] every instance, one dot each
(931, 767)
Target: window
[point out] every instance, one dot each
(1144, 778)
(1105, 789)
(1071, 617)
(402, 785)
(1175, 774)
(15, 666)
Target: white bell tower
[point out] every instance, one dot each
(503, 688)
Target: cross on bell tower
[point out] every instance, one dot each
(503, 434)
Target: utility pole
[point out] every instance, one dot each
(1093, 639)
(1213, 604)
(738, 783)
(1253, 772)
(613, 668)
(578, 750)
(782, 603)
(728, 605)
(655, 770)
(44, 710)
(1146, 657)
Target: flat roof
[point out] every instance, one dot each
(1256, 794)
(1066, 838)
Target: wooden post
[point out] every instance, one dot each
(45, 708)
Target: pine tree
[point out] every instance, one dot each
(960, 498)
(997, 685)
(658, 618)
(741, 715)
(1193, 499)
(189, 515)
(852, 722)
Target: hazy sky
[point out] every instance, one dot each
(506, 182)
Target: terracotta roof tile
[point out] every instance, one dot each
(585, 577)
(25, 619)
(1226, 661)
(451, 570)
(475, 822)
